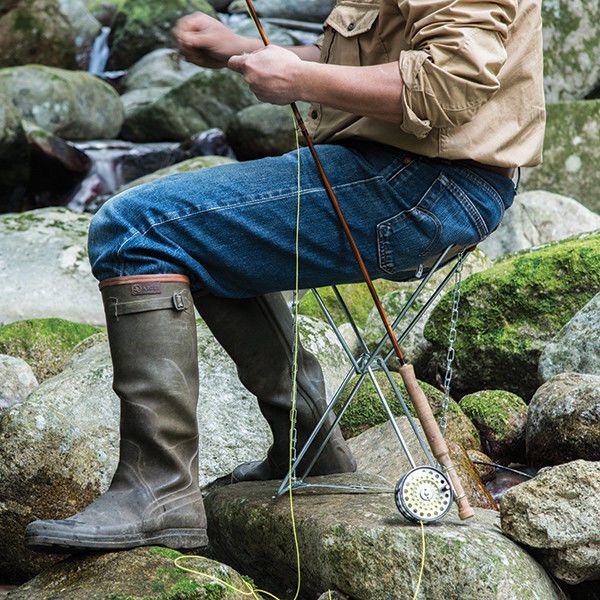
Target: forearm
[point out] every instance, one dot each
(366, 91)
(309, 53)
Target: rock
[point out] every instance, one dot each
(563, 423)
(44, 343)
(17, 380)
(538, 218)
(14, 153)
(378, 452)
(576, 349)
(59, 448)
(500, 418)
(509, 312)
(486, 472)
(193, 164)
(360, 545)
(71, 104)
(333, 596)
(308, 10)
(570, 153)
(143, 572)
(220, 5)
(57, 33)
(263, 130)
(162, 68)
(416, 347)
(207, 99)
(366, 410)
(277, 35)
(571, 48)
(140, 27)
(555, 514)
(44, 270)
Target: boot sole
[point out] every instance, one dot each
(177, 539)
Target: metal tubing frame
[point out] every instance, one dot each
(363, 367)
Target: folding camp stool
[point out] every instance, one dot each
(364, 367)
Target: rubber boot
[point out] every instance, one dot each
(258, 334)
(154, 497)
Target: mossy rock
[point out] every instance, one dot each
(139, 574)
(355, 295)
(510, 311)
(571, 153)
(140, 27)
(44, 344)
(501, 419)
(366, 410)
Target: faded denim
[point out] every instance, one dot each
(231, 228)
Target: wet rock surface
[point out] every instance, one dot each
(17, 381)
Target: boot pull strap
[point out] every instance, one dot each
(176, 302)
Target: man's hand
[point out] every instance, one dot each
(273, 73)
(206, 41)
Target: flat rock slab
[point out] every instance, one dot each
(360, 545)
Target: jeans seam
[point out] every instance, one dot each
(467, 203)
(261, 200)
(476, 178)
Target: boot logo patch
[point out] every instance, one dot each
(145, 289)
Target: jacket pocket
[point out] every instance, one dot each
(351, 19)
(444, 216)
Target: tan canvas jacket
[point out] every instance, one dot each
(472, 72)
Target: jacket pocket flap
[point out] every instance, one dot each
(351, 19)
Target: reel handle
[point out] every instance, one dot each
(435, 438)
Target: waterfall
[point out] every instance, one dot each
(100, 53)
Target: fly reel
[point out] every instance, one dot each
(424, 495)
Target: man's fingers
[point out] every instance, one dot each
(237, 63)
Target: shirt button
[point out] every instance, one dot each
(314, 114)
(351, 26)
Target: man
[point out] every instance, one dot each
(421, 109)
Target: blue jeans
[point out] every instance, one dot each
(231, 229)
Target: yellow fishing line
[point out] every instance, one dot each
(423, 550)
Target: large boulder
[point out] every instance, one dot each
(511, 311)
(556, 516)
(360, 545)
(366, 409)
(307, 10)
(538, 218)
(571, 153)
(44, 343)
(44, 270)
(164, 67)
(71, 104)
(577, 347)
(17, 381)
(57, 33)
(140, 27)
(571, 48)
(148, 573)
(59, 448)
(263, 130)
(500, 418)
(378, 452)
(563, 423)
(207, 99)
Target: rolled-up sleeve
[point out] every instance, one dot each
(457, 48)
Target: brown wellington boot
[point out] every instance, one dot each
(154, 497)
(258, 334)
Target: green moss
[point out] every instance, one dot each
(355, 295)
(43, 343)
(511, 310)
(493, 409)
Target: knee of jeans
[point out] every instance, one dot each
(108, 230)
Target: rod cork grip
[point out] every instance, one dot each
(435, 438)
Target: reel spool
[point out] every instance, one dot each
(424, 494)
